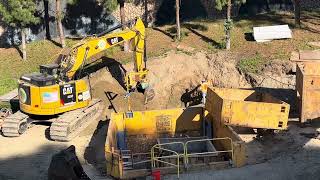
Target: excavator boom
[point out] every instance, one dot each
(92, 46)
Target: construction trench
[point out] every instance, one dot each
(164, 136)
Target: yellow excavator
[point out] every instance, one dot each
(57, 93)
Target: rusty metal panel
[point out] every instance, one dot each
(308, 90)
(248, 108)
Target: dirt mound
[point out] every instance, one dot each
(175, 77)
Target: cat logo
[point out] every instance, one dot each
(68, 94)
(114, 40)
(67, 90)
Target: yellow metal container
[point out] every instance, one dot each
(247, 108)
(308, 90)
(132, 136)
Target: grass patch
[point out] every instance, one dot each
(172, 31)
(12, 66)
(5, 105)
(251, 64)
(7, 85)
(214, 47)
(281, 55)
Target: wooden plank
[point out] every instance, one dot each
(317, 44)
(305, 56)
(305, 60)
(309, 54)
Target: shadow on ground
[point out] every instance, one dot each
(94, 153)
(32, 165)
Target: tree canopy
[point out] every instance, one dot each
(221, 3)
(109, 5)
(18, 13)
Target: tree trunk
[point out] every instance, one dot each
(297, 13)
(123, 20)
(146, 13)
(178, 19)
(228, 33)
(23, 41)
(59, 23)
(47, 18)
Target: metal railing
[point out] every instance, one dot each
(155, 159)
(159, 149)
(187, 155)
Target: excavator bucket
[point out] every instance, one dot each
(65, 165)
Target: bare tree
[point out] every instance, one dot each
(23, 44)
(59, 23)
(123, 20)
(297, 13)
(178, 19)
(228, 33)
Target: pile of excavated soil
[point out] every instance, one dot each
(175, 78)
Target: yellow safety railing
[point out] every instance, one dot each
(186, 154)
(158, 159)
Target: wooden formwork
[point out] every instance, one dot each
(308, 90)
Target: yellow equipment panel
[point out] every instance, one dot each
(247, 108)
(47, 100)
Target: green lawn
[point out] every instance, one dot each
(12, 66)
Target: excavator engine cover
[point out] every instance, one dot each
(39, 79)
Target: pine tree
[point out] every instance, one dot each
(19, 14)
(228, 23)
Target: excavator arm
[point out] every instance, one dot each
(91, 47)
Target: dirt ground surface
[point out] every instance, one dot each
(175, 76)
